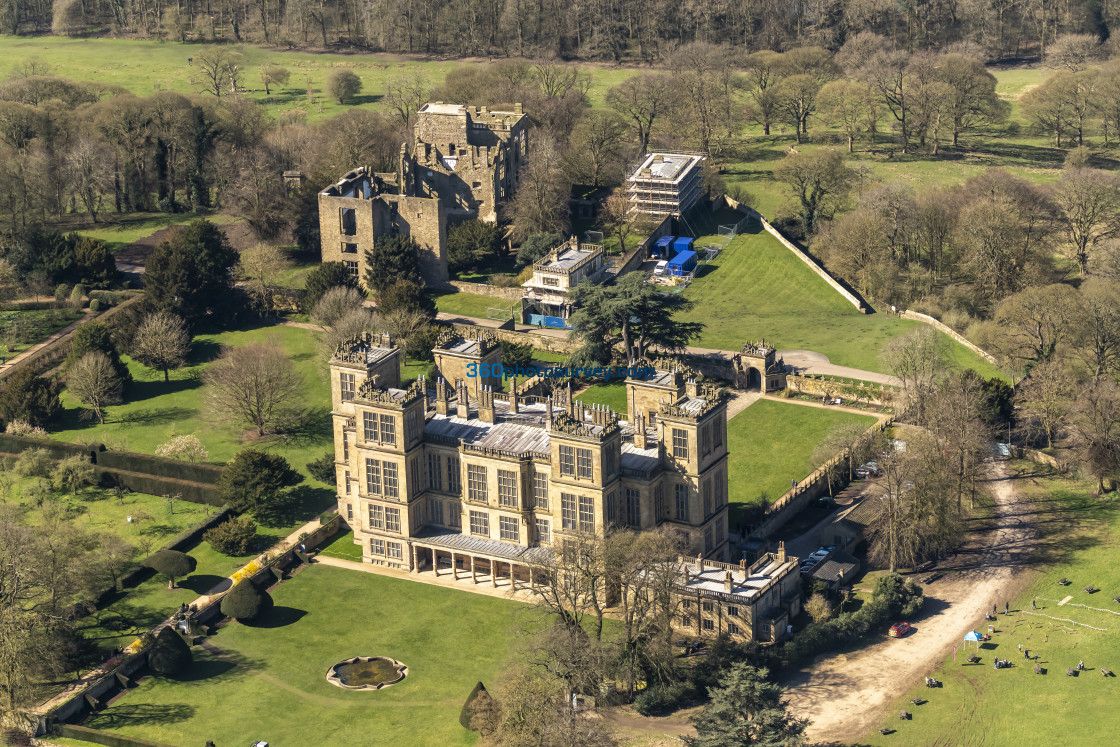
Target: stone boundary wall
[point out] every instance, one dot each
(1041, 457)
(485, 289)
(819, 386)
(925, 318)
(53, 353)
(523, 336)
(812, 264)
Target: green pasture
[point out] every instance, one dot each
(267, 681)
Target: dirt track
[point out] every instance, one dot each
(846, 695)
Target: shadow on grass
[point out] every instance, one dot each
(306, 426)
(301, 503)
(277, 617)
(204, 670)
(203, 351)
(142, 713)
(156, 416)
(201, 583)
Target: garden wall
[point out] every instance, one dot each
(820, 386)
(949, 331)
(83, 734)
(52, 354)
(485, 289)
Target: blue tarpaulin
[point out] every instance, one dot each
(540, 320)
(682, 264)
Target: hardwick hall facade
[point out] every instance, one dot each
(462, 479)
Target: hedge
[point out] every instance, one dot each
(85, 734)
(174, 469)
(10, 444)
(153, 485)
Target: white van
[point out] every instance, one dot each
(662, 268)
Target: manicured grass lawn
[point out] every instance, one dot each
(469, 304)
(295, 274)
(770, 444)
(19, 330)
(983, 706)
(547, 356)
(342, 547)
(613, 395)
(756, 288)
(271, 685)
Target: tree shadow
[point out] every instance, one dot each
(142, 390)
(365, 98)
(156, 416)
(206, 669)
(301, 503)
(203, 351)
(277, 617)
(306, 426)
(200, 583)
(143, 713)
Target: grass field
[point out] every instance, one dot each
(342, 547)
(469, 304)
(155, 411)
(770, 444)
(144, 67)
(756, 288)
(979, 705)
(269, 683)
(19, 330)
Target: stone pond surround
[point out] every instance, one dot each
(333, 678)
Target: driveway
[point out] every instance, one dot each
(846, 695)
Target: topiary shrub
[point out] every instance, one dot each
(245, 602)
(170, 654)
(233, 537)
(477, 706)
(61, 292)
(78, 295)
(322, 469)
(95, 305)
(172, 564)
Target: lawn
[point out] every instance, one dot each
(144, 67)
(121, 230)
(154, 518)
(469, 304)
(269, 681)
(1079, 537)
(756, 288)
(155, 411)
(613, 395)
(342, 547)
(770, 444)
(19, 330)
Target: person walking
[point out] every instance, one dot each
(1005, 608)
(1032, 605)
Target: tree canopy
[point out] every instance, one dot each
(191, 275)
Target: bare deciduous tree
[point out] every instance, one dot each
(260, 267)
(161, 342)
(252, 384)
(917, 359)
(94, 382)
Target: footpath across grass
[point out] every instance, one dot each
(980, 705)
(770, 444)
(269, 681)
(756, 288)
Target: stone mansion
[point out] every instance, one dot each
(463, 479)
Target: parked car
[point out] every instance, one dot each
(899, 629)
(662, 268)
(868, 469)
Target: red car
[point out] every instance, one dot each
(899, 629)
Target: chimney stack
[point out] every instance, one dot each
(729, 584)
(548, 414)
(462, 400)
(513, 398)
(700, 559)
(781, 552)
(486, 404)
(443, 407)
(691, 389)
(640, 431)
